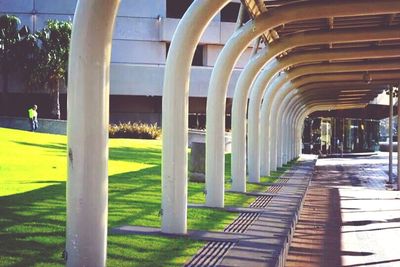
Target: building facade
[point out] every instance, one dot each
(142, 34)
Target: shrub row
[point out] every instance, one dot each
(134, 130)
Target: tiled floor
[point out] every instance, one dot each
(349, 218)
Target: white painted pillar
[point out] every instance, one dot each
(289, 139)
(239, 110)
(296, 113)
(260, 133)
(292, 147)
(87, 130)
(227, 59)
(270, 105)
(266, 116)
(273, 67)
(299, 134)
(277, 126)
(175, 112)
(290, 124)
(298, 131)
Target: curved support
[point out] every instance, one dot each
(175, 112)
(239, 108)
(87, 130)
(273, 104)
(272, 68)
(278, 124)
(307, 108)
(228, 57)
(297, 103)
(265, 149)
(290, 115)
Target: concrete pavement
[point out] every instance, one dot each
(350, 217)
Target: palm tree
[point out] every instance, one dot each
(9, 37)
(51, 60)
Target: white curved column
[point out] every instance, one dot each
(175, 112)
(87, 130)
(293, 110)
(239, 110)
(297, 144)
(290, 125)
(266, 148)
(307, 38)
(278, 126)
(272, 104)
(229, 55)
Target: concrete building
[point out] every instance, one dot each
(142, 34)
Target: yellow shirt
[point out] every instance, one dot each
(32, 113)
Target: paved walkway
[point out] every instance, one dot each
(266, 233)
(349, 217)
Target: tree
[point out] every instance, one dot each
(17, 48)
(51, 60)
(9, 37)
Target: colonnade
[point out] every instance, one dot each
(279, 102)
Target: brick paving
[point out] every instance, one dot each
(349, 217)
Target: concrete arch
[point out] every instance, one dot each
(314, 94)
(88, 94)
(266, 58)
(300, 92)
(228, 57)
(175, 112)
(273, 68)
(307, 108)
(282, 89)
(289, 114)
(303, 109)
(275, 127)
(295, 113)
(265, 78)
(312, 69)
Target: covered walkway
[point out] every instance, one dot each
(349, 217)
(315, 55)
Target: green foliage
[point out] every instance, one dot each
(9, 36)
(32, 202)
(52, 56)
(51, 60)
(15, 47)
(41, 59)
(134, 130)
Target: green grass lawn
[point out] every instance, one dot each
(32, 202)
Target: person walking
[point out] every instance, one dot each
(33, 118)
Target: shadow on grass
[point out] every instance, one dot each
(33, 223)
(56, 146)
(33, 227)
(129, 154)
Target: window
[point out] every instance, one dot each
(230, 13)
(197, 58)
(176, 8)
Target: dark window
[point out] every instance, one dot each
(230, 13)
(197, 58)
(176, 8)
(166, 49)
